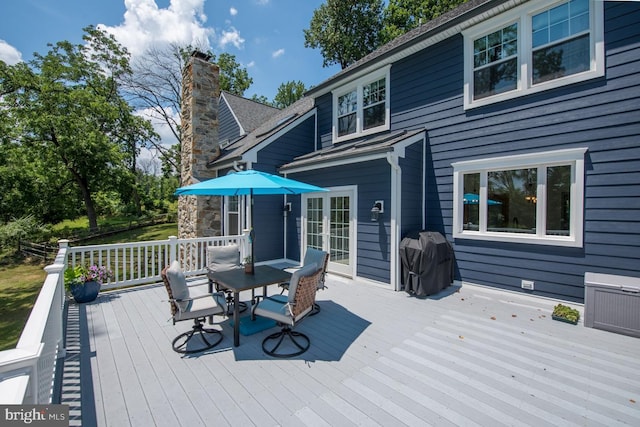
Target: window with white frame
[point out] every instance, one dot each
(534, 47)
(362, 107)
(531, 198)
(233, 222)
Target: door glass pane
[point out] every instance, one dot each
(314, 223)
(558, 200)
(339, 229)
(512, 198)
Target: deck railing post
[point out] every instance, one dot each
(173, 248)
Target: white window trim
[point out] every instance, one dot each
(241, 216)
(523, 15)
(384, 72)
(573, 157)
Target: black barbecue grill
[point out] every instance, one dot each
(427, 262)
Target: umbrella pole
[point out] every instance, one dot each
(252, 236)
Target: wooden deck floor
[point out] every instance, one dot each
(469, 356)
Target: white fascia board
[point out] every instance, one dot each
(416, 47)
(397, 150)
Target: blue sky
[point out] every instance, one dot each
(265, 35)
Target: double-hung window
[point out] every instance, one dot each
(530, 198)
(361, 107)
(233, 219)
(534, 47)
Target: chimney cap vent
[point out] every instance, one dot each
(201, 55)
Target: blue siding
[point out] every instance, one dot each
(269, 221)
(228, 126)
(373, 179)
(412, 214)
(601, 114)
(325, 120)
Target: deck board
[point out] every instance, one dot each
(468, 356)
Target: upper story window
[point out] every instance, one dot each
(527, 50)
(532, 198)
(495, 61)
(362, 107)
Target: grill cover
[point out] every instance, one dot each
(427, 262)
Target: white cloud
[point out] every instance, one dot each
(182, 22)
(233, 11)
(277, 53)
(263, 2)
(9, 54)
(231, 37)
(251, 64)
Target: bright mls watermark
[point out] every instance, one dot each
(34, 415)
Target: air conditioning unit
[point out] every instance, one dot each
(612, 303)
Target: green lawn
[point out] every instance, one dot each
(21, 280)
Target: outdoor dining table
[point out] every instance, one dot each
(237, 280)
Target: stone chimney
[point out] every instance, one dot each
(199, 216)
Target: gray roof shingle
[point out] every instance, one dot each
(249, 113)
(379, 143)
(273, 124)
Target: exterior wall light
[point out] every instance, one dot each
(377, 210)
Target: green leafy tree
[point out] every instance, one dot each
(70, 117)
(401, 16)
(345, 30)
(233, 77)
(288, 93)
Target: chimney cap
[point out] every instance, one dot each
(201, 55)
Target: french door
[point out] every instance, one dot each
(329, 225)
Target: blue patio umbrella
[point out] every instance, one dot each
(250, 182)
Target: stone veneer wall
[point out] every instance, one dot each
(199, 216)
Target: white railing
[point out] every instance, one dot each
(137, 263)
(32, 364)
(27, 373)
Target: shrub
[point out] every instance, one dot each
(25, 228)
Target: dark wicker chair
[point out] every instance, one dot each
(289, 312)
(198, 308)
(321, 259)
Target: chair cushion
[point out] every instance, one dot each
(305, 270)
(314, 255)
(178, 284)
(318, 257)
(222, 258)
(274, 309)
(207, 305)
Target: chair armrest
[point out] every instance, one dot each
(212, 294)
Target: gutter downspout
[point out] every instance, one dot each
(396, 175)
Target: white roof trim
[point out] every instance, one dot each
(416, 47)
(398, 149)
